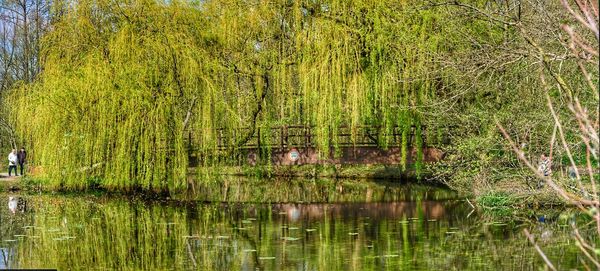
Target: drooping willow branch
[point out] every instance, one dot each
(132, 79)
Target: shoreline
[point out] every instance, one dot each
(508, 201)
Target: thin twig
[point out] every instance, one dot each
(582, 241)
(472, 206)
(189, 250)
(539, 250)
(572, 199)
(583, 246)
(552, 141)
(561, 133)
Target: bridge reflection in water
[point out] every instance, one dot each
(374, 211)
(90, 232)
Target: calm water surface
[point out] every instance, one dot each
(274, 225)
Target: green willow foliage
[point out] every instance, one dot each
(123, 81)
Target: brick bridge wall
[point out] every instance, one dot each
(347, 156)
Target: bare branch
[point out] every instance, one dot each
(572, 199)
(539, 250)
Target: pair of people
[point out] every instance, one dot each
(16, 158)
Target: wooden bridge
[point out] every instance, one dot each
(296, 145)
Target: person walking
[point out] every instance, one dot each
(22, 159)
(545, 166)
(12, 162)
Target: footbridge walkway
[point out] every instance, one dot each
(296, 145)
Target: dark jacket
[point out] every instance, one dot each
(22, 157)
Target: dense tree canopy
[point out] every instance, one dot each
(122, 81)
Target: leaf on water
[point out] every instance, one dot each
(10, 240)
(391, 255)
(353, 233)
(403, 221)
(310, 230)
(246, 221)
(290, 238)
(249, 250)
(450, 232)
(293, 228)
(266, 258)
(222, 237)
(19, 235)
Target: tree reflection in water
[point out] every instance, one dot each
(424, 229)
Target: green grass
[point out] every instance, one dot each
(497, 203)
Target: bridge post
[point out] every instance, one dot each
(285, 136)
(306, 137)
(281, 138)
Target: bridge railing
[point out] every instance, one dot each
(303, 136)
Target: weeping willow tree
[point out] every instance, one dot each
(324, 64)
(372, 61)
(111, 102)
(124, 80)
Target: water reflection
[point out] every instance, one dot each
(82, 233)
(12, 204)
(423, 209)
(6, 256)
(16, 204)
(11, 221)
(322, 190)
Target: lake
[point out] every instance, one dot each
(243, 224)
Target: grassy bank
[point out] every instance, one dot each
(504, 197)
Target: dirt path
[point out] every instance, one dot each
(8, 183)
(5, 178)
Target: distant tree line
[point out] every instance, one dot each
(22, 26)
